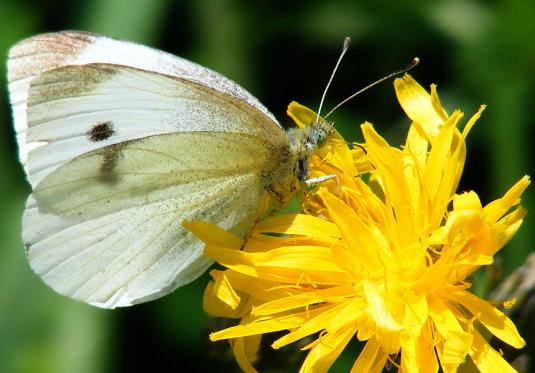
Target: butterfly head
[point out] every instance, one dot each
(304, 141)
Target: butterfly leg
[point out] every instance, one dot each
(320, 179)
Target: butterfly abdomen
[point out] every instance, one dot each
(277, 176)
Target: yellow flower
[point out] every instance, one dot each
(384, 255)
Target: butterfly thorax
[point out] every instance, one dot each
(289, 163)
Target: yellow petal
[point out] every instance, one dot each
(299, 224)
(402, 212)
(245, 350)
(493, 319)
(409, 360)
(316, 323)
(334, 157)
(389, 164)
(214, 305)
(361, 163)
(435, 102)
(263, 290)
(427, 358)
(301, 115)
(418, 355)
(455, 350)
(466, 201)
(271, 325)
(418, 106)
(367, 328)
(388, 328)
(348, 315)
(443, 318)
(334, 294)
(472, 121)
(477, 260)
(507, 226)
(224, 291)
(356, 234)
(371, 358)
(497, 208)
(416, 314)
(442, 171)
(322, 356)
(213, 235)
(486, 358)
(456, 342)
(292, 264)
(417, 144)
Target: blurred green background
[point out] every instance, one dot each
(476, 51)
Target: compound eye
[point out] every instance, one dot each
(302, 169)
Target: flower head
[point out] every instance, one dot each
(383, 254)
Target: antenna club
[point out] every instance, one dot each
(415, 61)
(347, 41)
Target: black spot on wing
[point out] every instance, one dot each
(111, 156)
(101, 131)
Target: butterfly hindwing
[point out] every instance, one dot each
(112, 236)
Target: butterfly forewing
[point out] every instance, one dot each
(35, 55)
(76, 109)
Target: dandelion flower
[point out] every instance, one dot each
(384, 254)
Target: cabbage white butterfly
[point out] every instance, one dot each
(121, 143)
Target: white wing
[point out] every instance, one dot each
(67, 106)
(40, 53)
(123, 157)
(105, 228)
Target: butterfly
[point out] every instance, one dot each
(121, 143)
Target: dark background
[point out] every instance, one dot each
(476, 51)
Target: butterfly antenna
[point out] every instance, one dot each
(415, 61)
(347, 41)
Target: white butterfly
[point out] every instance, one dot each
(121, 143)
